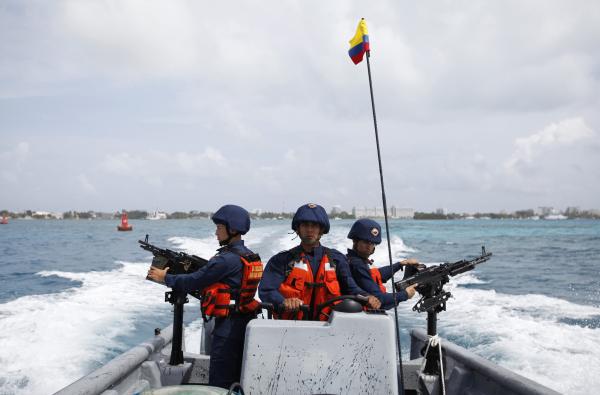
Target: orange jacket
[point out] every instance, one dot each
(313, 290)
(377, 278)
(216, 298)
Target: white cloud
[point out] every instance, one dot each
(197, 163)
(290, 155)
(154, 165)
(13, 160)
(123, 163)
(147, 36)
(565, 132)
(86, 185)
(267, 98)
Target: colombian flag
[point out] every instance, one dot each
(359, 43)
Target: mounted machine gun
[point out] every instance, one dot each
(430, 284)
(178, 263)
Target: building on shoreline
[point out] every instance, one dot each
(377, 212)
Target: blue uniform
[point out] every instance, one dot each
(229, 332)
(361, 272)
(274, 274)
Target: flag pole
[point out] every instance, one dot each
(387, 227)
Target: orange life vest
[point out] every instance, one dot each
(376, 275)
(313, 290)
(216, 298)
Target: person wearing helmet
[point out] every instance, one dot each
(365, 235)
(308, 274)
(232, 269)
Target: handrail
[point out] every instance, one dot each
(109, 374)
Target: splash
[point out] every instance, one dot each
(49, 341)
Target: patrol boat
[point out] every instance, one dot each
(353, 352)
(340, 356)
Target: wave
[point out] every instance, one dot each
(205, 247)
(48, 341)
(265, 237)
(529, 334)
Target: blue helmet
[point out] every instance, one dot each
(367, 230)
(235, 218)
(311, 213)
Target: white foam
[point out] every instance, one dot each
(467, 278)
(192, 336)
(205, 247)
(524, 333)
(49, 341)
(338, 239)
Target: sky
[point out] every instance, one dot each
(189, 105)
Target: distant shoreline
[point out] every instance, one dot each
(548, 213)
(287, 219)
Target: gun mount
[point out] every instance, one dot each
(178, 263)
(430, 281)
(430, 284)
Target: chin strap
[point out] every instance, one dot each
(228, 240)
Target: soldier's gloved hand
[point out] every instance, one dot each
(410, 291)
(373, 302)
(292, 304)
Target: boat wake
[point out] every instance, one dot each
(534, 335)
(48, 341)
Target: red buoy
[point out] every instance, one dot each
(124, 223)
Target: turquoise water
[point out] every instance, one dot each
(73, 293)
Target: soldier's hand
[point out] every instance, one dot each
(410, 262)
(410, 291)
(373, 302)
(292, 304)
(157, 274)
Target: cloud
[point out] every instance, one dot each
(290, 155)
(565, 132)
(195, 163)
(86, 185)
(13, 160)
(153, 165)
(149, 94)
(123, 163)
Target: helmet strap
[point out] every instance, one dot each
(231, 235)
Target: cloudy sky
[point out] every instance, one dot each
(180, 105)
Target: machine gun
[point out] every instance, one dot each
(178, 263)
(430, 284)
(431, 280)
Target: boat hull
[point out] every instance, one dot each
(145, 367)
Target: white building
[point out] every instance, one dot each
(377, 212)
(544, 210)
(402, 212)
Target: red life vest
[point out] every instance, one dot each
(376, 275)
(313, 290)
(216, 298)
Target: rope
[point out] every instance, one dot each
(435, 341)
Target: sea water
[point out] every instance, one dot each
(73, 293)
